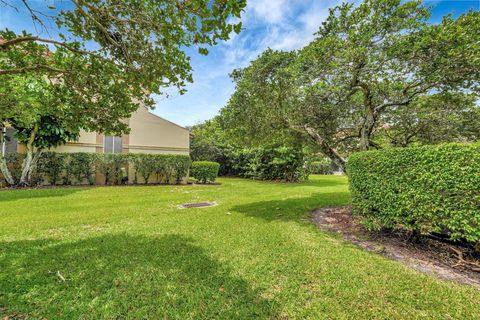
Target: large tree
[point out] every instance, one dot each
(431, 119)
(97, 61)
(364, 62)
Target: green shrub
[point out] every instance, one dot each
(167, 168)
(52, 165)
(82, 166)
(270, 163)
(204, 171)
(320, 167)
(144, 165)
(181, 165)
(424, 190)
(112, 166)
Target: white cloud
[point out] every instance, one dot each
(276, 24)
(269, 11)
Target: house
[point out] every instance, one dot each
(149, 133)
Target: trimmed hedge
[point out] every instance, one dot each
(80, 168)
(162, 168)
(205, 171)
(424, 189)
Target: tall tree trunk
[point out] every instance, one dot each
(370, 118)
(366, 131)
(28, 162)
(325, 148)
(6, 172)
(3, 162)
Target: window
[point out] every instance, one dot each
(112, 144)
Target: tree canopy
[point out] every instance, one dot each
(95, 62)
(366, 61)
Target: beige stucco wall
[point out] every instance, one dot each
(148, 134)
(86, 143)
(152, 134)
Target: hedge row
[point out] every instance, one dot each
(424, 189)
(80, 168)
(205, 171)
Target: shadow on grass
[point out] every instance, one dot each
(320, 182)
(20, 194)
(293, 208)
(120, 276)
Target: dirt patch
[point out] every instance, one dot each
(426, 255)
(197, 205)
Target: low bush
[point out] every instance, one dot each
(167, 168)
(204, 171)
(424, 189)
(271, 163)
(80, 168)
(113, 167)
(52, 165)
(320, 167)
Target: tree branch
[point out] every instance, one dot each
(37, 67)
(4, 45)
(98, 24)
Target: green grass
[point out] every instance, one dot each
(128, 252)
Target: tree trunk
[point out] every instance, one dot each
(36, 157)
(370, 118)
(3, 162)
(366, 131)
(6, 172)
(28, 162)
(326, 149)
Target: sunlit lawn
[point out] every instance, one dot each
(129, 252)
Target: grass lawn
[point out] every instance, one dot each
(128, 252)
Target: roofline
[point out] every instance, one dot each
(153, 114)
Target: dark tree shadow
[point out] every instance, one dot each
(19, 194)
(292, 209)
(318, 182)
(122, 276)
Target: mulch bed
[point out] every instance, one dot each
(428, 255)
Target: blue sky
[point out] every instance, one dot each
(279, 24)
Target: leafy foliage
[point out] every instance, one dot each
(271, 163)
(433, 119)
(80, 167)
(424, 189)
(367, 62)
(139, 50)
(210, 142)
(53, 165)
(205, 171)
(320, 167)
(139, 45)
(167, 168)
(50, 133)
(112, 166)
(83, 166)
